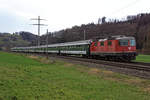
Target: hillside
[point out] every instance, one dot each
(19, 39)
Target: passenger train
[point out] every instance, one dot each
(108, 48)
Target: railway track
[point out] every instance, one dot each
(141, 63)
(140, 66)
(133, 65)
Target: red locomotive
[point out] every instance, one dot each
(114, 48)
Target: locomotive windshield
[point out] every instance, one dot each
(132, 43)
(123, 42)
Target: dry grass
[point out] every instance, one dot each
(146, 89)
(94, 71)
(42, 59)
(33, 57)
(68, 65)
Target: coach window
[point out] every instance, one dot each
(109, 43)
(102, 43)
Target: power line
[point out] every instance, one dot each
(38, 24)
(125, 7)
(120, 9)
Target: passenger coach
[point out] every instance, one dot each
(76, 48)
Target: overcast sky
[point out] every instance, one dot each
(15, 15)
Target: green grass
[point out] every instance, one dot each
(143, 58)
(23, 78)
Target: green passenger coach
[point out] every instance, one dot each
(73, 48)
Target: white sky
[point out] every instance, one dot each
(61, 14)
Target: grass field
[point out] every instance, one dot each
(35, 78)
(143, 58)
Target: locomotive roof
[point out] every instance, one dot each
(125, 38)
(117, 37)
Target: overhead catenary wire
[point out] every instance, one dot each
(124, 7)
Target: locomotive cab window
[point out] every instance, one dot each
(123, 42)
(102, 43)
(109, 43)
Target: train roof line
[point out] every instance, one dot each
(83, 42)
(116, 37)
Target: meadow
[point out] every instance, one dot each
(27, 77)
(143, 58)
